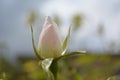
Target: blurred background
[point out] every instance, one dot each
(95, 29)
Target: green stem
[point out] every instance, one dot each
(54, 69)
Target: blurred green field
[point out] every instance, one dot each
(84, 67)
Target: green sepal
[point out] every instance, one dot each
(71, 54)
(33, 44)
(65, 42)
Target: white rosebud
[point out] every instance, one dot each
(49, 45)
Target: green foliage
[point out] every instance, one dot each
(84, 67)
(57, 20)
(32, 18)
(77, 21)
(4, 77)
(112, 78)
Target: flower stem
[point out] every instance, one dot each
(54, 69)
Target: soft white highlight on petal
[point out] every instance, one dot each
(49, 45)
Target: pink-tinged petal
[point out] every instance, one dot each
(49, 45)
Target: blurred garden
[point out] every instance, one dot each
(84, 67)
